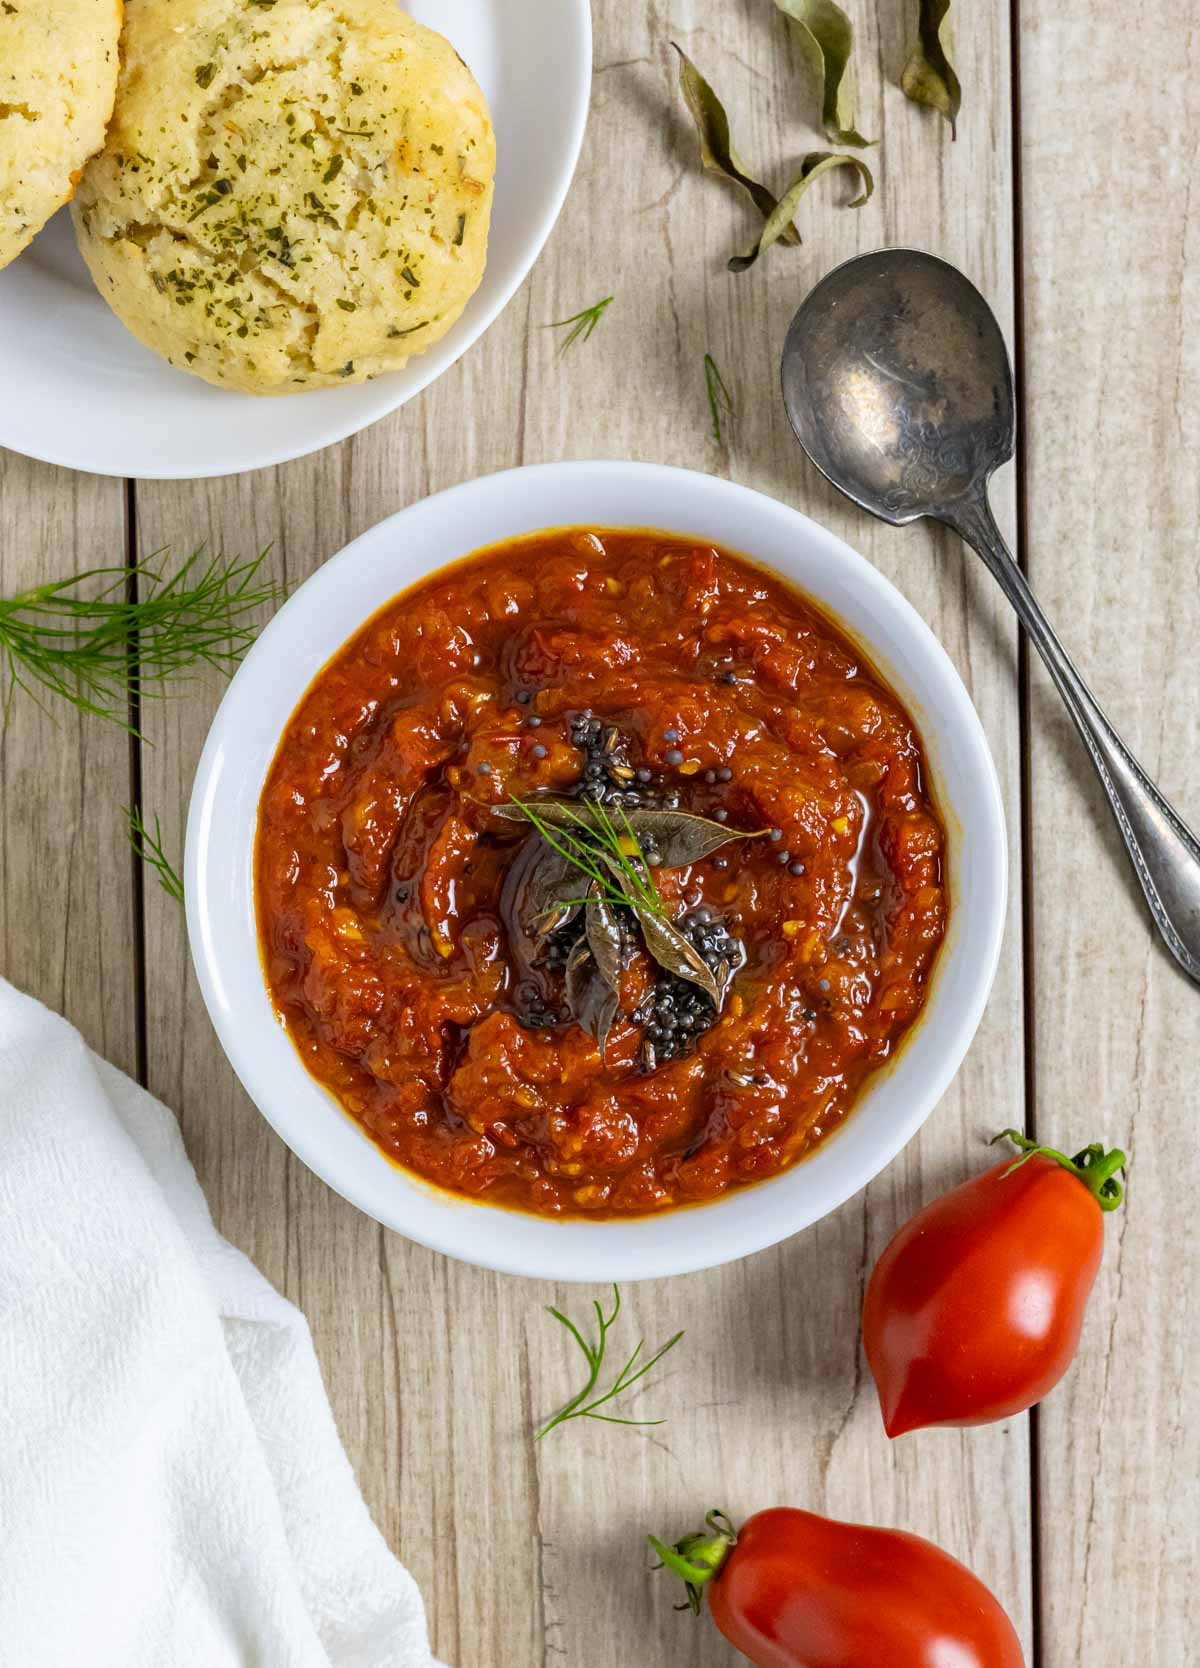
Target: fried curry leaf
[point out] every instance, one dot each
(559, 813)
(537, 897)
(826, 38)
(591, 999)
(671, 950)
(779, 222)
(584, 833)
(669, 839)
(672, 838)
(548, 899)
(603, 931)
(618, 866)
(929, 76)
(716, 148)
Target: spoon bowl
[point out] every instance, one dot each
(897, 384)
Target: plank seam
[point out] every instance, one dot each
(137, 872)
(1025, 774)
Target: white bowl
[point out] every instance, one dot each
(77, 389)
(329, 608)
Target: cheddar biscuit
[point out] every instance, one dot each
(293, 193)
(58, 74)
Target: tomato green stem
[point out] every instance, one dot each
(697, 1557)
(1095, 1168)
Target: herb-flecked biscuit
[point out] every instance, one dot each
(58, 74)
(293, 193)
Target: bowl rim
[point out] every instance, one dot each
(235, 761)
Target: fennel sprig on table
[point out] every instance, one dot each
(585, 1405)
(149, 848)
(583, 323)
(98, 638)
(720, 400)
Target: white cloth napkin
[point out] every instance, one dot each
(173, 1493)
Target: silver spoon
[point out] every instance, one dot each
(898, 386)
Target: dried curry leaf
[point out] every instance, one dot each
(671, 950)
(929, 77)
(779, 221)
(716, 147)
(592, 1001)
(603, 931)
(826, 38)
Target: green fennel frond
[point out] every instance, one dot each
(720, 400)
(582, 323)
(149, 848)
(580, 1406)
(109, 634)
(610, 856)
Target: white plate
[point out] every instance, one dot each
(330, 607)
(77, 389)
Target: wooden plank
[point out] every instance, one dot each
(417, 1352)
(780, 1406)
(66, 899)
(437, 1372)
(1112, 298)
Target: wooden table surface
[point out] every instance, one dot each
(1068, 197)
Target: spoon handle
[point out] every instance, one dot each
(1165, 853)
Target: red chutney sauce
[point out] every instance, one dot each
(646, 671)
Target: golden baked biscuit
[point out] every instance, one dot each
(293, 193)
(58, 74)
